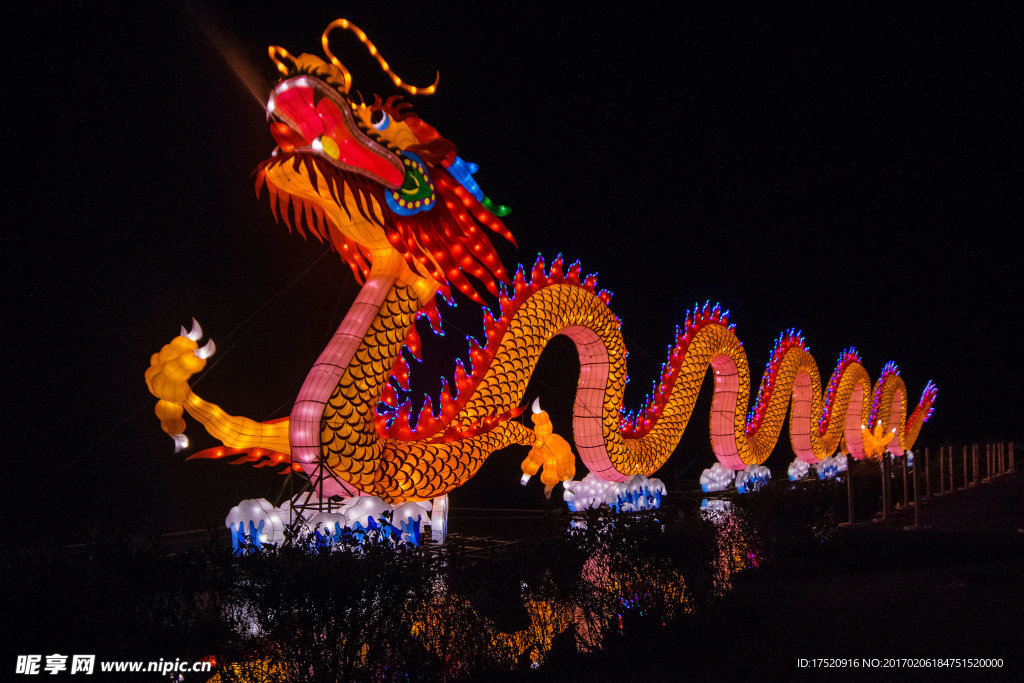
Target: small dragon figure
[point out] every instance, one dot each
(398, 204)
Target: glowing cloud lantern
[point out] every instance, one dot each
(399, 205)
(798, 469)
(590, 492)
(639, 493)
(840, 460)
(716, 478)
(255, 522)
(829, 467)
(408, 519)
(752, 478)
(656, 490)
(363, 512)
(326, 527)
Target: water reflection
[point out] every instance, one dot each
(615, 589)
(621, 575)
(610, 593)
(734, 543)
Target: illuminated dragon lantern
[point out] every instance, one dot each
(397, 203)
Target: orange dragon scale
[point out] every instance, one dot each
(396, 202)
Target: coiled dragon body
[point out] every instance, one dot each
(397, 203)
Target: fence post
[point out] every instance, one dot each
(966, 478)
(1011, 456)
(974, 463)
(942, 471)
(917, 502)
(952, 482)
(988, 463)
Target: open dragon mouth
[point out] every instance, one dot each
(309, 116)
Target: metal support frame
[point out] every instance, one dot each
(313, 484)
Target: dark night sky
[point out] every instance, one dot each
(853, 175)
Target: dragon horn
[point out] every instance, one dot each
(277, 54)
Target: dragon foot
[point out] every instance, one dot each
(167, 378)
(550, 454)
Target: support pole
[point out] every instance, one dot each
(1011, 456)
(885, 488)
(917, 501)
(888, 482)
(849, 487)
(905, 501)
(988, 463)
(439, 519)
(927, 476)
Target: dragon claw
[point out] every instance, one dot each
(195, 334)
(206, 351)
(180, 442)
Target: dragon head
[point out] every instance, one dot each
(375, 181)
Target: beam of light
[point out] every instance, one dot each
(235, 58)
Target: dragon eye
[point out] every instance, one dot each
(380, 119)
(326, 145)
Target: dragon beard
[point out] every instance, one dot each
(445, 243)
